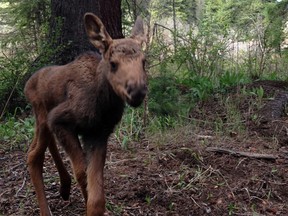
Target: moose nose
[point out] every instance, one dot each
(137, 93)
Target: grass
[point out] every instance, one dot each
(113, 208)
(16, 133)
(130, 127)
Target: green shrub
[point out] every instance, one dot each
(164, 96)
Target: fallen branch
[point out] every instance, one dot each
(241, 153)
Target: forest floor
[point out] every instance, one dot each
(220, 164)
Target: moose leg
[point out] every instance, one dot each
(65, 179)
(59, 118)
(35, 162)
(95, 181)
(71, 145)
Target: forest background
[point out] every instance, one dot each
(195, 48)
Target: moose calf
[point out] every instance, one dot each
(85, 97)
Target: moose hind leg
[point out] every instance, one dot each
(65, 179)
(35, 162)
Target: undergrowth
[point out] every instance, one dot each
(16, 133)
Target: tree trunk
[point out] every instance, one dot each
(67, 30)
(174, 25)
(110, 14)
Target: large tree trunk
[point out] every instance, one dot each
(110, 14)
(67, 32)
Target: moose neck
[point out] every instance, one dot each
(106, 108)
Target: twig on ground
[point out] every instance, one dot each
(240, 163)
(218, 171)
(242, 154)
(23, 184)
(195, 202)
(120, 161)
(16, 166)
(204, 137)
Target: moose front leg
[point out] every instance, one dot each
(58, 120)
(96, 152)
(65, 179)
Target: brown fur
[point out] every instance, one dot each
(85, 97)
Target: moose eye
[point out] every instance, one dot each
(114, 66)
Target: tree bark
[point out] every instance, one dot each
(110, 14)
(67, 32)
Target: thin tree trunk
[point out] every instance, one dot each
(174, 25)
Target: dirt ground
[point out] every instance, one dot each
(193, 170)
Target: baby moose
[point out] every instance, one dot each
(85, 97)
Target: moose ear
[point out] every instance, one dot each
(97, 33)
(138, 31)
